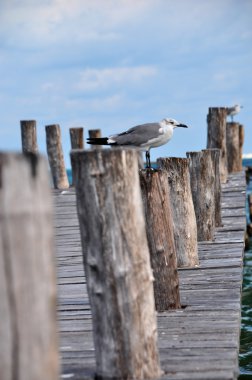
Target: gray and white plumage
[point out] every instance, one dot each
(231, 111)
(143, 137)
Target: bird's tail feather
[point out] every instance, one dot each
(98, 141)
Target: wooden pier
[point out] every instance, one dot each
(199, 341)
(135, 228)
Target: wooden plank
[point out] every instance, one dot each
(200, 341)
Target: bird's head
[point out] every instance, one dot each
(238, 107)
(174, 123)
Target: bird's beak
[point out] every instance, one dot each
(182, 126)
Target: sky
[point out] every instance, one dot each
(113, 64)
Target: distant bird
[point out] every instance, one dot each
(144, 136)
(231, 111)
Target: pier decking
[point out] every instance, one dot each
(199, 341)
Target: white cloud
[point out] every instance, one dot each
(107, 103)
(122, 60)
(28, 23)
(95, 79)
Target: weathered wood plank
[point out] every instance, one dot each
(200, 341)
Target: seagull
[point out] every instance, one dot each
(144, 136)
(231, 111)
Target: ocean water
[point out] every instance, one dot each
(69, 175)
(245, 356)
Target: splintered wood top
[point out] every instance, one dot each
(200, 341)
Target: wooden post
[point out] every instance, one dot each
(203, 188)
(216, 136)
(159, 226)
(241, 142)
(28, 344)
(76, 137)
(184, 220)
(94, 133)
(55, 157)
(233, 147)
(77, 142)
(29, 136)
(215, 156)
(250, 205)
(117, 263)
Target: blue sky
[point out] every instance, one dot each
(113, 64)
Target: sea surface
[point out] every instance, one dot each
(245, 357)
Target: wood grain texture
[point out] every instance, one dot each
(29, 136)
(28, 344)
(183, 214)
(203, 191)
(56, 157)
(77, 142)
(215, 156)
(117, 263)
(216, 136)
(160, 235)
(241, 142)
(234, 159)
(199, 341)
(76, 138)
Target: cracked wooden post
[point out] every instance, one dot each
(76, 137)
(233, 147)
(117, 263)
(215, 156)
(94, 133)
(29, 136)
(216, 136)
(77, 142)
(28, 344)
(203, 189)
(241, 142)
(56, 157)
(184, 220)
(159, 227)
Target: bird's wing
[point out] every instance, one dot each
(230, 110)
(138, 135)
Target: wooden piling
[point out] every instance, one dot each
(250, 206)
(160, 235)
(77, 142)
(29, 136)
(203, 189)
(28, 344)
(233, 147)
(184, 220)
(241, 142)
(76, 137)
(117, 263)
(216, 136)
(215, 156)
(95, 133)
(56, 157)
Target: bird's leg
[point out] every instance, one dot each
(148, 163)
(232, 118)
